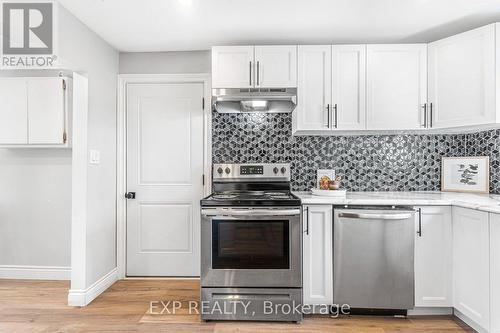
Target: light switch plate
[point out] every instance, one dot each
(95, 157)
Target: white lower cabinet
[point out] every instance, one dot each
(471, 266)
(317, 254)
(495, 273)
(433, 251)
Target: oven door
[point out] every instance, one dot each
(244, 247)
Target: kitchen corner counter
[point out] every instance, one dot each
(484, 202)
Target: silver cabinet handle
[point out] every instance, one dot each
(328, 116)
(335, 117)
(307, 221)
(249, 212)
(419, 232)
(430, 116)
(398, 216)
(424, 107)
(250, 83)
(258, 72)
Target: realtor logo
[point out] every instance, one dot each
(28, 34)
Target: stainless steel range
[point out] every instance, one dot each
(251, 245)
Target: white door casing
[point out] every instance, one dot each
(165, 166)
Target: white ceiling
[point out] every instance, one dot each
(175, 25)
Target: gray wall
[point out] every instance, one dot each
(35, 184)
(165, 62)
(88, 53)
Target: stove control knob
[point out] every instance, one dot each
(275, 170)
(283, 170)
(228, 171)
(220, 171)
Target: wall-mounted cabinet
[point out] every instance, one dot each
(396, 86)
(331, 88)
(462, 79)
(34, 112)
(269, 66)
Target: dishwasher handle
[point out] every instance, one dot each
(373, 216)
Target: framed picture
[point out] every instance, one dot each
(465, 174)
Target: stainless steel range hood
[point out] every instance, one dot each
(271, 100)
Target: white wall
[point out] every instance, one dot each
(165, 62)
(87, 52)
(35, 207)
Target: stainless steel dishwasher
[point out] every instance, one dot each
(374, 257)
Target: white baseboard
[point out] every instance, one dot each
(84, 297)
(430, 311)
(471, 323)
(35, 272)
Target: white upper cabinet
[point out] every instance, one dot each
(33, 112)
(396, 86)
(46, 105)
(433, 257)
(314, 88)
(254, 66)
(232, 66)
(462, 79)
(13, 111)
(471, 265)
(276, 66)
(317, 254)
(348, 87)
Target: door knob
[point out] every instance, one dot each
(130, 195)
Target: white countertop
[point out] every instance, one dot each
(484, 202)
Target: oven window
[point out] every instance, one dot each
(250, 244)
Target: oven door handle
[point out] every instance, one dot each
(250, 212)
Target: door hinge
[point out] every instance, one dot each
(65, 137)
(203, 103)
(64, 84)
(203, 179)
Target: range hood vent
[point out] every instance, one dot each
(271, 100)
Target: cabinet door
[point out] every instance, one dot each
(462, 79)
(233, 67)
(276, 66)
(348, 84)
(433, 257)
(396, 83)
(46, 111)
(317, 254)
(495, 272)
(314, 88)
(13, 112)
(471, 273)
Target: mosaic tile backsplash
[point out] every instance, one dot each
(406, 162)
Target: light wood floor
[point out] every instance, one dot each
(40, 306)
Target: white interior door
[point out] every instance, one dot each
(165, 169)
